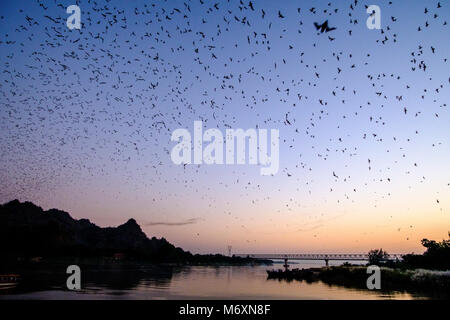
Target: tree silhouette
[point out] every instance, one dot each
(377, 255)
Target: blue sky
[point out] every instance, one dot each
(87, 114)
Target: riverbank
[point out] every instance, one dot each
(392, 279)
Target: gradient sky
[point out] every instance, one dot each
(86, 118)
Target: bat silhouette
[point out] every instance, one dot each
(323, 27)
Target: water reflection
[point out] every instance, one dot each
(191, 282)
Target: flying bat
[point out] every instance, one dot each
(323, 27)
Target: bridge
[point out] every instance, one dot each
(313, 256)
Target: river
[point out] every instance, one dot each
(197, 282)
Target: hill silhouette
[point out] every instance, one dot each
(26, 231)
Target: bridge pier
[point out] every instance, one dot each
(326, 262)
(286, 266)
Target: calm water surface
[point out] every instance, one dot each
(201, 282)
